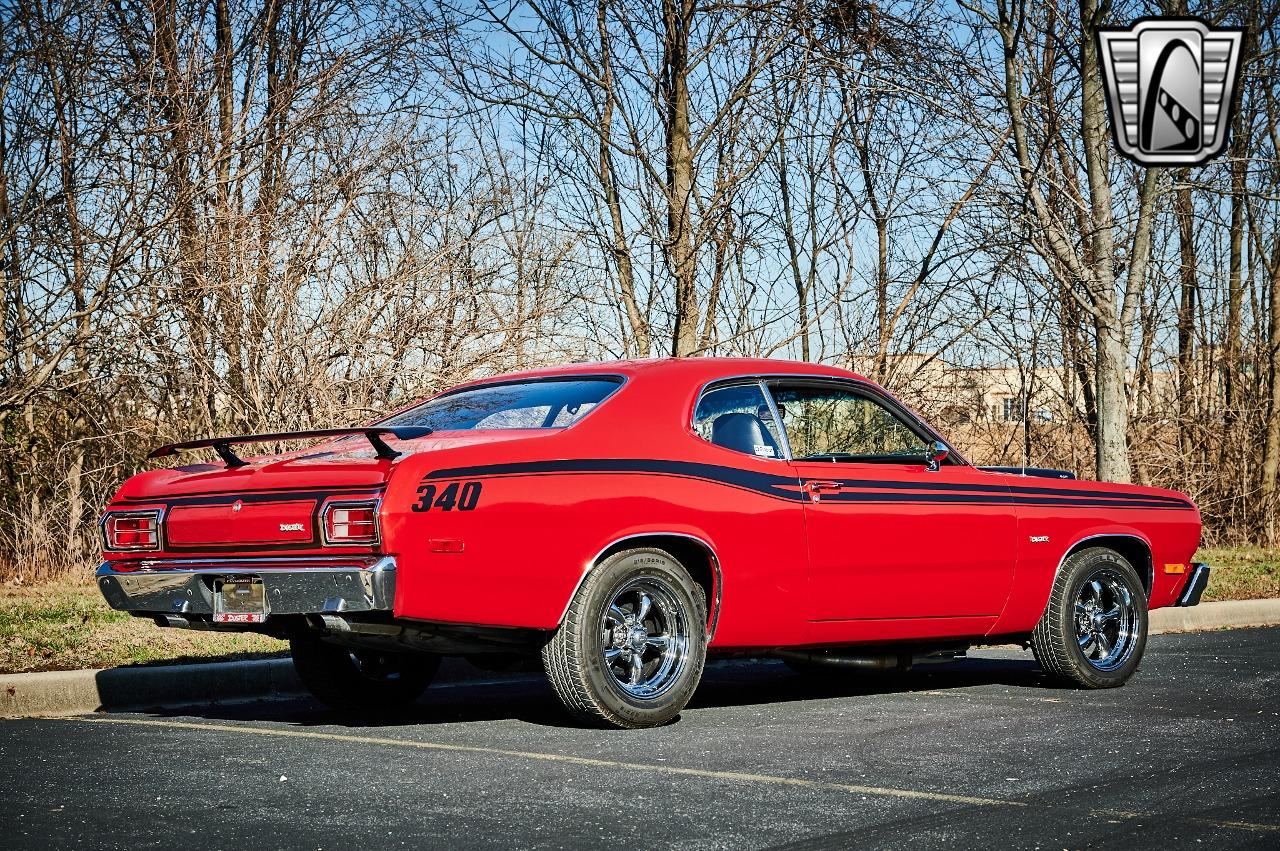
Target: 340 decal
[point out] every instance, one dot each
(464, 496)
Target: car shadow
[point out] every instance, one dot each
(479, 696)
(766, 681)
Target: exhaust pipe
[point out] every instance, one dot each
(859, 662)
(902, 660)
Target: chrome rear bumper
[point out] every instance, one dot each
(292, 586)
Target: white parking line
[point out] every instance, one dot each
(562, 758)
(742, 777)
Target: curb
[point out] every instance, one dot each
(134, 689)
(1228, 614)
(80, 692)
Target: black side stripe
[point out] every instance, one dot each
(784, 487)
(1017, 490)
(788, 487)
(981, 499)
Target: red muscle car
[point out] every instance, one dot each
(618, 522)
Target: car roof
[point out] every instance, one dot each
(698, 370)
(687, 374)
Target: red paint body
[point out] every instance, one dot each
(792, 571)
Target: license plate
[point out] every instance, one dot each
(239, 599)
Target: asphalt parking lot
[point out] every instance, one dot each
(978, 753)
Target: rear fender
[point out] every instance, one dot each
(705, 568)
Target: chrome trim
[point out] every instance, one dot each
(938, 453)
(142, 512)
(1151, 575)
(718, 577)
(165, 563)
(1197, 582)
(312, 587)
(777, 419)
(327, 506)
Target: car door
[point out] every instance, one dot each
(752, 515)
(889, 537)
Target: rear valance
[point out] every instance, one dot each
(222, 445)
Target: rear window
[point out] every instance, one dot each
(548, 403)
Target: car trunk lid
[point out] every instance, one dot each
(274, 502)
(248, 522)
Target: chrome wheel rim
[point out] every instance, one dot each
(645, 638)
(1106, 619)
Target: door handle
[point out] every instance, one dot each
(816, 487)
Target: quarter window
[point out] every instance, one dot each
(839, 424)
(738, 418)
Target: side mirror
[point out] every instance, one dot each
(935, 454)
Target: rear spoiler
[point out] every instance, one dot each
(1039, 472)
(222, 445)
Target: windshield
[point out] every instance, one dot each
(546, 403)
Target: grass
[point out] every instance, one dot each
(1241, 573)
(65, 626)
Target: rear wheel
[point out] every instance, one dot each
(633, 643)
(360, 680)
(1094, 630)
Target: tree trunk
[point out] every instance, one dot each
(64, 112)
(681, 255)
(620, 248)
(793, 250)
(1235, 290)
(1091, 265)
(1267, 503)
(1182, 206)
(1113, 412)
(1109, 321)
(192, 293)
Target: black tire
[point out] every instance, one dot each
(359, 680)
(590, 683)
(1069, 640)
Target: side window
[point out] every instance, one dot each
(738, 418)
(839, 424)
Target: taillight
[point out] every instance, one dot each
(354, 523)
(133, 530)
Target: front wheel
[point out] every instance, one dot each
(1094, 630)
(359, 680)
(633, 643)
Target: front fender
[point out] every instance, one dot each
(1163, 535)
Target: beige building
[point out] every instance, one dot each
(955, 395)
